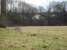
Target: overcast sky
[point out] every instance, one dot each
(36, 3)
(43, 3)
(39, 2)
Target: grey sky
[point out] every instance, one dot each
(43, 3)
(36, 3)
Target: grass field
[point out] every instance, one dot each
(34, 38)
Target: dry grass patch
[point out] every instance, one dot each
(34, 38)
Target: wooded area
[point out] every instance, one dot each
(27, 15)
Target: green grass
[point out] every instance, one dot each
(34, 38)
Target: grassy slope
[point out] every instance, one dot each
(34, 38)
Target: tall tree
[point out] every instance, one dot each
(3, 7)
(57, 13)
(3, 12)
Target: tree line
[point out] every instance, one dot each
(27, 15)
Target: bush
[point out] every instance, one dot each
(2, 26)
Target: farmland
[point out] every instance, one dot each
(33, 38)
